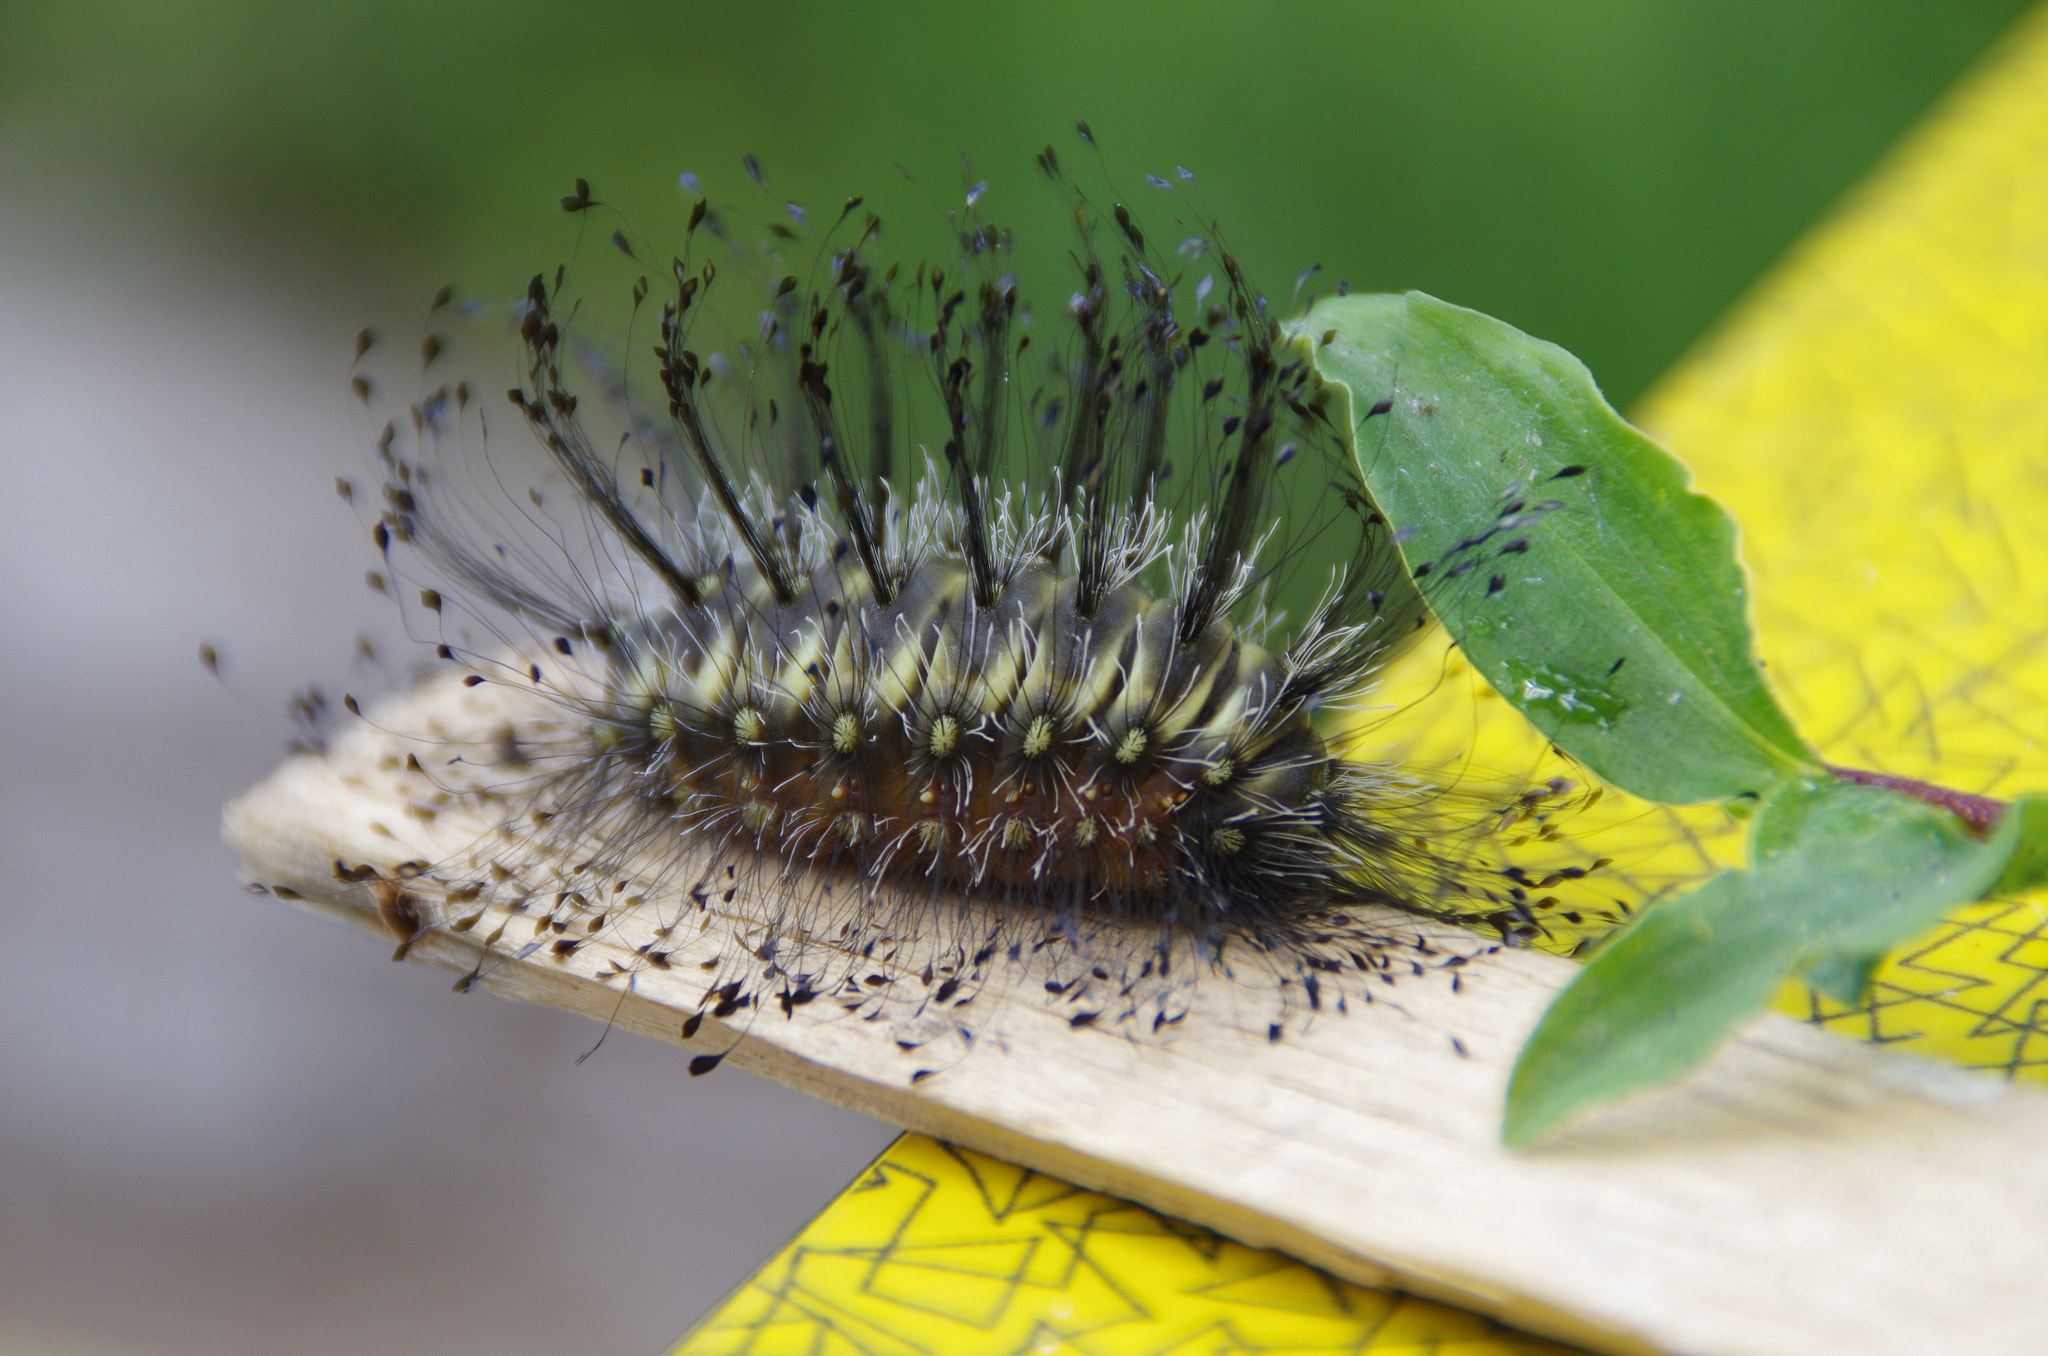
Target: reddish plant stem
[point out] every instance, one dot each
(1979, 812)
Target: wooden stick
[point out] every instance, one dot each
(1803, 1195)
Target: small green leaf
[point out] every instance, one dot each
(1858, 869)
(1650, 1006)
(1616, 619)
(1846, 954)
(1840, 873)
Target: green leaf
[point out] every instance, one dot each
(1651, 1005)
(1621, 629)
(1840, 874)
(1862, 868)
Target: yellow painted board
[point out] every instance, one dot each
(1874, 414)
(936, 1249)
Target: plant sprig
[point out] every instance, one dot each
(1621, 631)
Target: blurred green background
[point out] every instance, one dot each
(1604, 173)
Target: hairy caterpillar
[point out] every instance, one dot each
(904, 600)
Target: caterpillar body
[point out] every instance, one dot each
(1044, 671)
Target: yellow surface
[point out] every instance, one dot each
(939, 1250)
(1877, 416)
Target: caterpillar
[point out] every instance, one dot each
(906, 600)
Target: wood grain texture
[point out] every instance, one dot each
(1763, 1208)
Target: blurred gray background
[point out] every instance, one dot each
(228, 1128)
